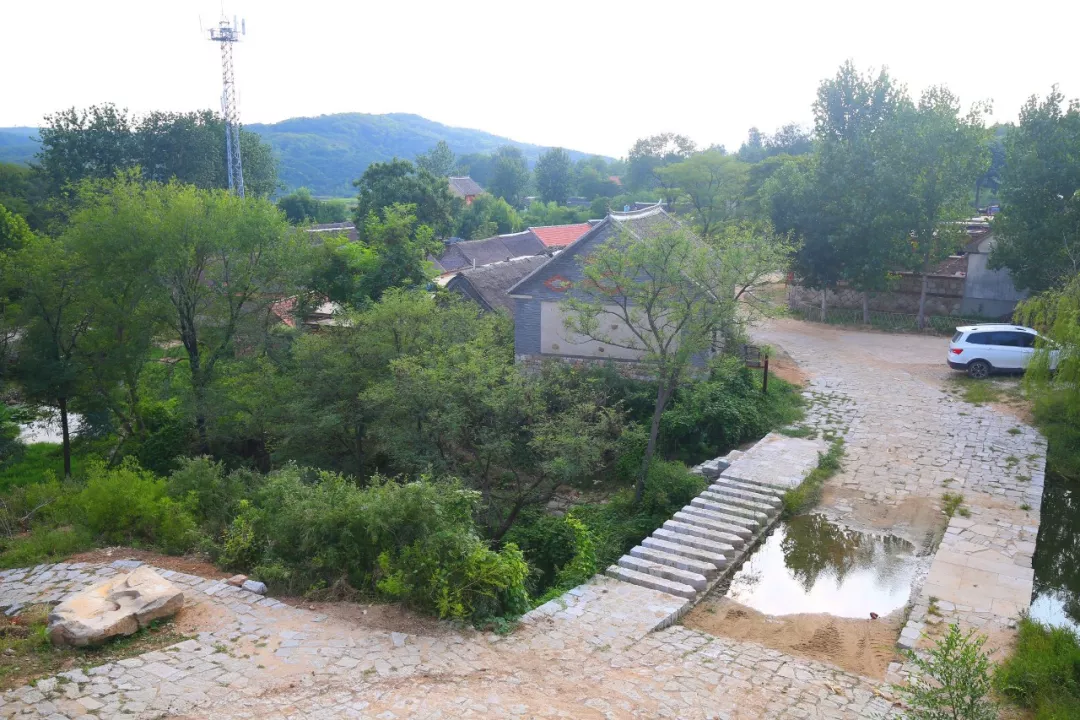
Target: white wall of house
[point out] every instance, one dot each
(556, 340)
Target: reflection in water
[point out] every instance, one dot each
(1056, 598)
(46, 427)
(810, 565)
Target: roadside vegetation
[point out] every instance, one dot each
(808, 494)
(1043, 673)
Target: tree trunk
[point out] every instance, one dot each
(663, 392)
(824, 294)
(67, 436)
(978, 192)
(200, 419)
(866, 307)
(921, 322)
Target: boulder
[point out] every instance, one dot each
(118, 606)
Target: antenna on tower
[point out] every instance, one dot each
(227, 34)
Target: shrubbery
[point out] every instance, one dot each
(1043, 673)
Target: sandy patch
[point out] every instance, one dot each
(865, 647)
(915, 518)
(376, 616)
(188, 564)
(782, 366)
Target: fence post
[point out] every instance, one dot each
(765, 377)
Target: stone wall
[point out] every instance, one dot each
(944, 296)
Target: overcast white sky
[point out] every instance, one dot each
(590, 75)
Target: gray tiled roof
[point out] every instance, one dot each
(490, 250)
(464, 186)
(487, 285)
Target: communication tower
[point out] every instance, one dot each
(227, 34)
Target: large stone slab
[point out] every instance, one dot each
(119, 606)
(777, 461)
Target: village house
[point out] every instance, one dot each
(487, 285)
(539, 331)
(465, 187)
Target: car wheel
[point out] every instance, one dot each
(978, 369)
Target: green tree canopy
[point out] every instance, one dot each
(509, 175)
(554, 176)
(486, 216)
(710, 187)
(399, 182)
(652, 153)
(102, 140)
(1038, 230)
(439, 160)
(300, 207)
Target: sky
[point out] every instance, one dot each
(589, 75)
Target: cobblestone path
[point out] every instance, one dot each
(597, 652)
(909, 441)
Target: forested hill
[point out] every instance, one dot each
(16, 145)
(328, 152)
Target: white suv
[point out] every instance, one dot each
(982, 349)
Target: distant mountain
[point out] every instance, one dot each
(328, 152)
(16, 145)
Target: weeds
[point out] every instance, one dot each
(954, 680)
(950, 503)
(1042, 673)
(808, 493)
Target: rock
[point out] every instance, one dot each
(237, 580)
(119, 606)
(254, 586)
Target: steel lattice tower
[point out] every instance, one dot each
(227, 34)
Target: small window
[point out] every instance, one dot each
(957, 336)
(982, 338)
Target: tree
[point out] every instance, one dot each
(859, 180)
(439, 160)
(753, 149)
(1038, 230)
(22, 192)
(554, 175)
(300, 207)
(56, 313)
(112, 231)
(672, 297)
(221, 261)
(102, 140)
(510, 175)
(991, 179)
(652, 153)
(486, 216)
(710, 187)
(401, 245)
(14, 235)
(953, 680)
(399, 182)
(944, 153)
(479, 166)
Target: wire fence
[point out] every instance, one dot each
(880, 320)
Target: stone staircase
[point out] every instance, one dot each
(692, 550)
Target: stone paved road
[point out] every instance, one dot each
(596, 653)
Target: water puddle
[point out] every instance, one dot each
(1056, 598)
(45, 427)
(811, 565)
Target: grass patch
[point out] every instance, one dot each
(800, 431)
(977, 392)
(808, 493)
(950, 503)
(35, 463)
(1043, 673)
(44, 544)
(27, 655)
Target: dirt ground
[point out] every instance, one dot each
(189, 564)
(917, 519)
(377, 616)
(782, 366)
(860, 646)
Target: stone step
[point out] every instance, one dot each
(763, 486)
(746, 490)
(756, 515)
(735, 488)
(694, 541)
(681, 562)
(679, 547)
(724, 517)
(715, 536)
(686, 577)
(733, 456)
(652, 582)
(719, 525)
(726, 498)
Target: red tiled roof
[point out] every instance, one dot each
(560, 235)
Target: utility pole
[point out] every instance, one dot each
(227, 34)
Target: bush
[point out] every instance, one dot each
(415, 541)
(808, 493)
(129, 505)
(213, 496)
(954, 681)
(44, 544)
(711, 417)
(548, 543)
(1043, 673)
